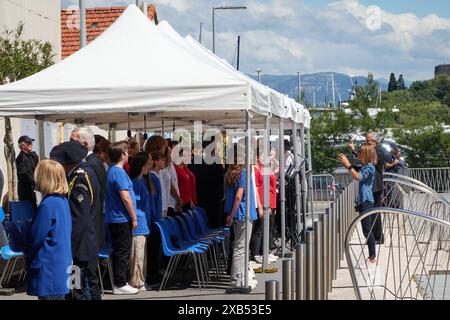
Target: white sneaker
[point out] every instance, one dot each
(143, 288)
(125, 290)
(273, 258)
(254, 265)
(258, 259)
(252, 283)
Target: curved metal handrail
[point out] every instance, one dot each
(426, 190)
(377, 211)
(403, 177)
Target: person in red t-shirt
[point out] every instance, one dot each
(186, 185)
(256, 243)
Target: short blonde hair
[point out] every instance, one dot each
(367, 154)
(51, 178)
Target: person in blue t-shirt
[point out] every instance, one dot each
(236, 202)
(120, 215)
(139, 169)
(365, 200)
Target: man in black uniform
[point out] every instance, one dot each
(83, 200)
(85, 136)
(26, 163)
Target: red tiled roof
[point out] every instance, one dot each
(97, 21)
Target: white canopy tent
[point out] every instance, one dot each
(133, 68)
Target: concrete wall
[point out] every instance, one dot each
(42, 21)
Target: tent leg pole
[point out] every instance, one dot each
(41, 137)
(304, 182)
(266, 188)
(310, 168)
(282, 186)
(297, 153)
(247, 194)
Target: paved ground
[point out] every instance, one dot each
(342, 290)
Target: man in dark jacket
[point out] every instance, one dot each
(26, 163)
(83, 199)
(86, 137)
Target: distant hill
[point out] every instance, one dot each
(320, 83)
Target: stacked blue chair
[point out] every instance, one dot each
(175, 248)
(208, 244)
(197, 234)
(9, 256)
(220, 236)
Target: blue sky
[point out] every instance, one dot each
(349, 36)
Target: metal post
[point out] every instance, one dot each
(238, 53)
(300, 268)
(318, 255)
(214, 30)
(304, 188)
(282, 187)
(200, 34)
(266, 202)
(310, 270)
(297, 178)
(329, 252)
(310, 167)
(342, 202)
(334, 242)
(272, 290)
(325, 250)
(41, 137)
(247, 192)
(83, 33)
(287, 279)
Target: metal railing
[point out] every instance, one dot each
(412, 264)
(318, 258)
(436, 178)
(323, 192)
(334, 232)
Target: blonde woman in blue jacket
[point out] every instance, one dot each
(48, 252)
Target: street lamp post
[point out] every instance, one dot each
(214, 23)
(259, 74)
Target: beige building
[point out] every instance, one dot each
(42, 21)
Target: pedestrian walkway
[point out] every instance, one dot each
(342, 290)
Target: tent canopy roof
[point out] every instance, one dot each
(134, 67)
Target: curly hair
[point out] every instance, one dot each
(233, 174)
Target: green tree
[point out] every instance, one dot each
(401, 83)
(19, 59)
(417, 118)
(392, 83)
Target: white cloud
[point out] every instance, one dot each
(286, 36)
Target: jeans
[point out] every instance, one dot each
(367, 226)
(378, 226)
(90, 282)
(256, 239)
(238, 263)
(121, 244)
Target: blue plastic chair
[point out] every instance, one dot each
(21, 211)
(105, 253)
(211, 240)
(10, 257)
(202, 214)
(175, 254)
